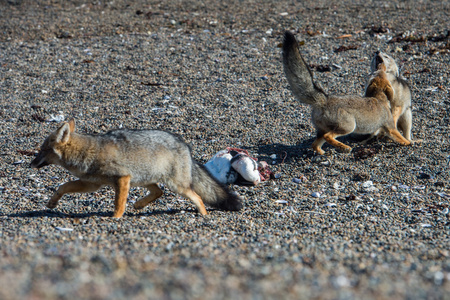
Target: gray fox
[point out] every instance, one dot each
(401, 101)
(125, 158)
(335, 116)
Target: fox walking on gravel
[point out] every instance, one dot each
(126, 158)
(335, 116)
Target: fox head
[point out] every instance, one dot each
(51, 149)
(389, 63)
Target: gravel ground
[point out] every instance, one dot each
(373, 224)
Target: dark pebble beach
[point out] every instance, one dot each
(371, 224)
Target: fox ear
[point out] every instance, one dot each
(63, 134)
(72, 125)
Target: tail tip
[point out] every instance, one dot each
(288, 40)
(232, 203)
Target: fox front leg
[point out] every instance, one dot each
(122, 187)
(76, 186)
(405, 124)
(397, 137)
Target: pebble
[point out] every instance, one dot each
(281, 202)
(63, 229)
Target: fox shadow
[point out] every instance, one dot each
(284, 153)
(288, 153)
(58, 214)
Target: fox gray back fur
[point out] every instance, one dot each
(166, 158)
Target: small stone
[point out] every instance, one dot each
(63, 229)
(424, 176)
(367, 184)
(281, 202)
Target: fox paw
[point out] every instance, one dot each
(51, 204)
(319, 150)
(346, 149)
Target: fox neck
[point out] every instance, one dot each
(380, 95)
(391, 76)
(79, 153)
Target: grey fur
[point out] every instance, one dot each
(211, 191)
(299, 75)
(170, 162)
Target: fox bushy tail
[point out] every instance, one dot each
(299, 75)
(211, 191)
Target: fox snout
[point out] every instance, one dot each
(39, 161)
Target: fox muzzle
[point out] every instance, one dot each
(38, 163)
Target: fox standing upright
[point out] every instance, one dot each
(125, 158)
(335, 116)
(401, 101)
(380, 87)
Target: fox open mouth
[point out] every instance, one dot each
(378, 59)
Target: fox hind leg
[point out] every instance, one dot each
(155, 193)
(194, 197)
(122, 187)
(76, 186)
(331, 136)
